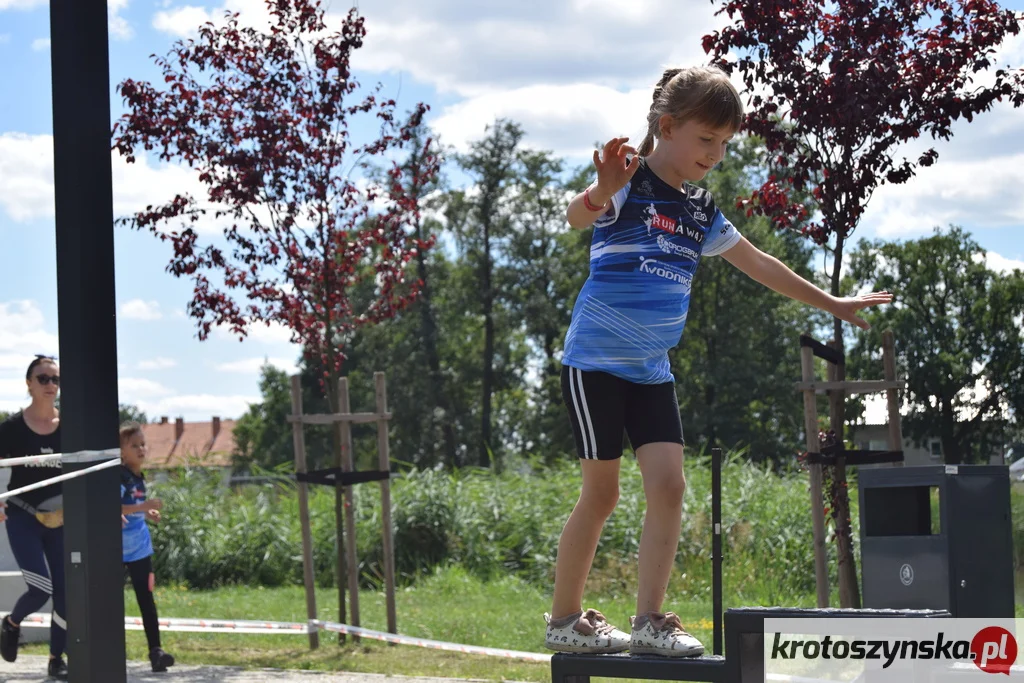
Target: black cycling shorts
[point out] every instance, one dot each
(603, 407)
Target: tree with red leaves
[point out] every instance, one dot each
(263, 117)
(836, 88)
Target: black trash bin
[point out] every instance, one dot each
(937, 537)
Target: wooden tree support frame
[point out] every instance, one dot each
(837, 386)
(343, 477)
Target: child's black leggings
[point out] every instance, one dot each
(141, 572)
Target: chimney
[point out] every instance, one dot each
(179, 428)
(163, 419)
(216, 427)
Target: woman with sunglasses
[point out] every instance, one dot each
(35, 521)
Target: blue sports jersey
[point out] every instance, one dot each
(135, 540)
(643, 256)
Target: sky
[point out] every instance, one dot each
(571, 72)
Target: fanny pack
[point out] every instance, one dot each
(51, 520)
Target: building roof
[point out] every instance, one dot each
(196, 444)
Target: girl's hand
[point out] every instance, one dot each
(846, 308)
(612, 171)
(124, 521)
(153, 516)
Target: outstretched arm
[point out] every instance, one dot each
(776, 275)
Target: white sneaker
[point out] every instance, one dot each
(657, 633)
(584, 632)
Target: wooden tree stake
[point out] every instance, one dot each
(307, 540)
(385, 499)
(817, 507)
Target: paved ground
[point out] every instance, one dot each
(32, 669)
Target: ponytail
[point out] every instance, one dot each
(703, 93)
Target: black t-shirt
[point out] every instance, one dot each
(18, 440)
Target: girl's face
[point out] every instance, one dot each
(45, 381)
(133, 451)
(694, 147)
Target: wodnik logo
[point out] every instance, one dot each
(992, 649)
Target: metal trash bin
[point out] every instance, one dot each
(937, 537)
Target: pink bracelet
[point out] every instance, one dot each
(587, 203)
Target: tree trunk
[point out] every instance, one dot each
(551, 366)
(849, 593)
(437, 393)
(950, 446)
(488, 375)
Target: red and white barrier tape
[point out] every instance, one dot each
(196, 625)
(63, 477)
(433, 644)
(277, 627)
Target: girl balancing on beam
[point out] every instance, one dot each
(651, 228)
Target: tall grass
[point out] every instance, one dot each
(496, 525)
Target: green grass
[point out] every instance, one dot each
(475, 554)
(451, 605)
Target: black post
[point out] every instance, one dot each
(716, 546)
(88, 337)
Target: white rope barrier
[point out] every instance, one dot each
(63, 477)
(30, 459)
(433, 644)
(38, 620)
(293, 628)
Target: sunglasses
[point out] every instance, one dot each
(46, 379)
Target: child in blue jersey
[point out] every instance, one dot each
(651, 229)
(136, 544)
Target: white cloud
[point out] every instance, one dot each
(252, 366)
(471, 49)
(566, 119)
(40, 44)
(117, 25)
(20, 4)
(137, 309)
(977, 192)
(184, 21)
(26, 175)
(274, 333)
(1002, 264)
(132, 389)
(181, 22)
(26, 181)
(22, 335)
(15, 361)
(22, 330)
(157, 364)
(199, 407)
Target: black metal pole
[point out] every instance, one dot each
(716, 545)
(88, 337)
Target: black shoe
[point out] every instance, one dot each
(9, 636)
(160, 660)
(57, 669)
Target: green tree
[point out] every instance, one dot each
(547, 265)
(128, 412)
(481, 221)
(263, 435)
(959, 339)
(739, 356)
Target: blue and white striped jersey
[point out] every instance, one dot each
(643, 256)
